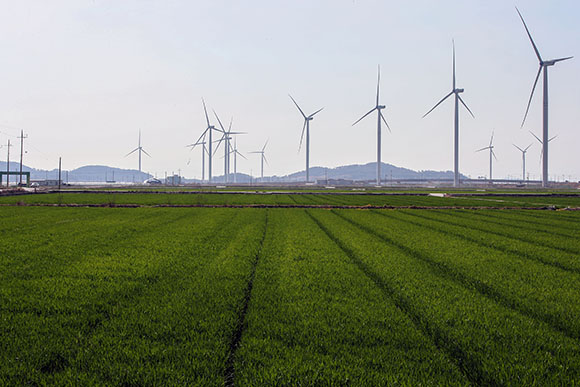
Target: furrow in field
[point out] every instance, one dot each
(440, 339)
(229, 371)
(315, 320)
(479, 333)
(502, 243)
(532, 290)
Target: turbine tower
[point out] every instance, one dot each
(262, 158)
(523, 159)
(491, 153)
(306, 127)
(544, 64)
(140, 149)
(378, 107)
(454, 91)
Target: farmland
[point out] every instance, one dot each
(285, 296)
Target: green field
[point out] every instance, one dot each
(287, 296)
(302, 198)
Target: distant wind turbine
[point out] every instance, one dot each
(378, 107)
(140, 149)
(306, 127)
(542, 145)
(458, 99)
(208, 131)
(226, 138)
(544, 64)
(491, 153)
(523, 159)
(236, 153)
(203, 143)
(262, 158)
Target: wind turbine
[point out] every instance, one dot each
(306, 127)
(226, 137)
(378, 107)
(140, 149)
(542, 145)
(454, 91)
(263, 158)
(208, 131)
(203, 143)
(523, 159)
(236, 153)
(544, 64)
(491, 153)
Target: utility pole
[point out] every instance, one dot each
(8, 166)
(59, 171)
(22, 137)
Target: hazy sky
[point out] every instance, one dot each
(82, 77)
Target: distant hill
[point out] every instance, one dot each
(354, 172)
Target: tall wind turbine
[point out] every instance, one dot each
(208, 131)
(263, 158)
(454, 91)
(544, 64)
(306, 127)
(140, 149)
(378, 107)
(226, 138)
(491, 153)
(523, 159)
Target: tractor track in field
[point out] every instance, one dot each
(288, 206)
(470, 367)
(229, 371)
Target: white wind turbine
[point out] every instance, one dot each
(542, 146)
(544, 64)
(203, 143)
(454, 91)
(523, 159)
(208, 131)
(306, 128)
(378, 107)
(226, 138)
(491, 153)
(262, 158)
(140, 149)
(236, 153)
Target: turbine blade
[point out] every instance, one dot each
(219, 121)
(438, 103)
(378, 82)
(537, 138)
(491, 141)
(385, 121)
(463, 103)
(493, 154)
(531, 96)
(528, 147)
(144, 151)
(552, 138)
(296, 103)
(205, 110)
(530, 36)
(266, 143)
(302, 136)
(562, 59)
(482, 149)
(245, 158)
(230, 127)
(316, 112)
(519, 148)
(370, 111)
(202, 136)
(265, 159)
(133, 151)
(453, 43)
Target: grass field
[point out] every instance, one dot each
(287, 296)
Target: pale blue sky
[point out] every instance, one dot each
(82, 77)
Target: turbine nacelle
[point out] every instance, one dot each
(380, 107)
(458, 91)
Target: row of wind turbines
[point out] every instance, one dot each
(206, 138)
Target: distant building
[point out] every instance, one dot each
(46, 183)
